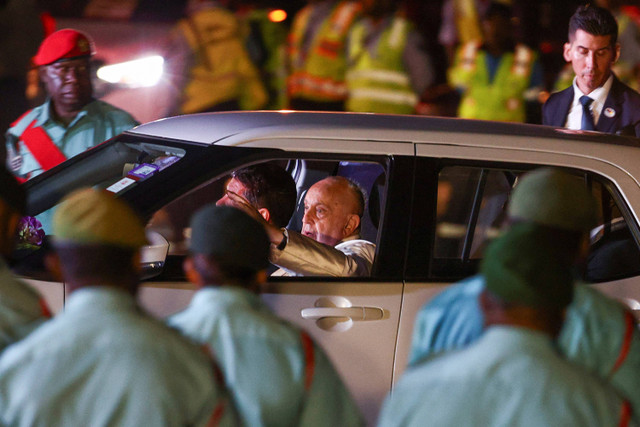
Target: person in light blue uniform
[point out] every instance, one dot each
(513, 375)
(22, 309)
(598, 333)
(71, 120)
(277, 375)
(102, 361)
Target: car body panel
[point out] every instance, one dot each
(370, 354)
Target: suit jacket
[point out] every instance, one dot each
(624, 101)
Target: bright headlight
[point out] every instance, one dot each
(137, 73)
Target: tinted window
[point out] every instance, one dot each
(172, 220)
(471, 206)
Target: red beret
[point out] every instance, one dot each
(63, 44)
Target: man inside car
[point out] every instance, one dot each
(329, 243)
(276, 373)
(268, 188)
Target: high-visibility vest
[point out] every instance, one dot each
(468, 18)
(501, 99)
(379, 83)
(266, 44)
(467, 21)
(222, 71)
(319, 74)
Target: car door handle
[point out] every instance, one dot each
(354, 313)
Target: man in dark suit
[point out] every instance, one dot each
(596, 100)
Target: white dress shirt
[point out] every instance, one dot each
(599, 96)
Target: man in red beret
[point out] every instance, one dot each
(71, 120)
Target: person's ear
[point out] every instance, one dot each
(42, 73)
(52, 262)
(190, 270)
(616, 53)
(136, 262)
(353, 222)
(265, 214)
(566, 52)
(261, 277)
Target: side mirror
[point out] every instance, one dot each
(153, 255)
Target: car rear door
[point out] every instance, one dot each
(485, 176)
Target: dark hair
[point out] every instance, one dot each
(594, 20)
(498, 9)
(218, 270)
(271, 187)
(106, 263)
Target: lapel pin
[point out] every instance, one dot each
(609, 112)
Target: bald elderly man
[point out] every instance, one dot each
(329, 243)
(598, 333)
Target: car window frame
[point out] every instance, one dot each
(423, 225)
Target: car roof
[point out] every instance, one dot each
(213, 128)
(270, 128)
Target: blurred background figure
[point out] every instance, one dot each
(265, 34)
(513, 374)
(461, 23)
(21, 308)
(71, 120)
(496, 78)
(627, 13)
(317, 55)
(22, 33)
(388, 68)
(277, 375)
(102, 360)
(208, 63)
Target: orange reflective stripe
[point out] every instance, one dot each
(44, 308)
(626, 342)
(625, 414)
(309, 357)
(322, 87)
(42, 147)
(216, 416)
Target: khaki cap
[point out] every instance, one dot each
(89, 216)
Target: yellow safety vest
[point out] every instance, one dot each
(503, 98)
(319, 74)
(222, 71)
(380, 83)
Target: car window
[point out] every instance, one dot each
(471, 207)
(172, 220)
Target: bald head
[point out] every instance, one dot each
(333, 208)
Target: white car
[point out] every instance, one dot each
(437, 190)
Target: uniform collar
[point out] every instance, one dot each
(517, 337)
(225, 295)
(46, 113)
(100, 298)
(598, 95)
